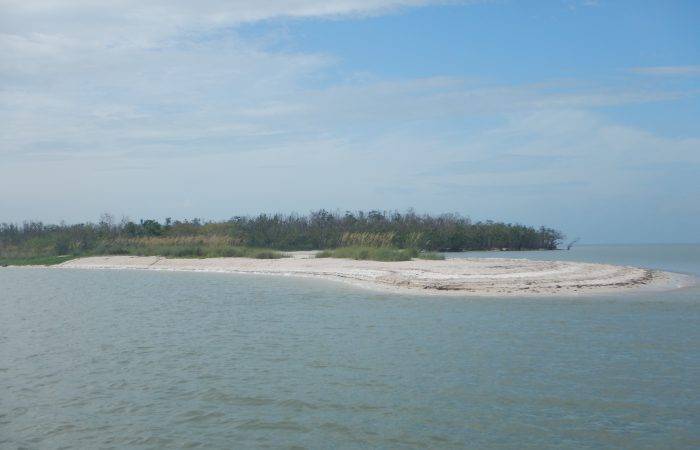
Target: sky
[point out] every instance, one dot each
(580, 115)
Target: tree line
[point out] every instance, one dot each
(317, 230)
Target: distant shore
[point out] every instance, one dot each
(474, 276)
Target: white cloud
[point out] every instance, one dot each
(126, 77)
(141, 23)
(130, 76)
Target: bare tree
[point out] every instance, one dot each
(571, 244)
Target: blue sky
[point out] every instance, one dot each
(581, 115)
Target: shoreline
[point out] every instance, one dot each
(454, 277)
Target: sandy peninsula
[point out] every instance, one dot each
(480, 277)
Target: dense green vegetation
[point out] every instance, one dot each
(378, 254)
(35, 261)
(257, 236)
(182, 247)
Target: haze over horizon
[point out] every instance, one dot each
(579, 115)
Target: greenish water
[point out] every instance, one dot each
(129, 359)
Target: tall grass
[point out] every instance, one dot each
(367, 239)
(377, 254)
(183, 247)
(200, 251)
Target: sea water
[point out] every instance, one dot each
(134, 359)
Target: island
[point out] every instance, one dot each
(398, 252)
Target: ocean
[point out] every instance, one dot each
(134, 359)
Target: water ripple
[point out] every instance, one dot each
(157, 360)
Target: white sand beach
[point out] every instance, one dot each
(479, 277)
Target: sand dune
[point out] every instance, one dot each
(484, 276)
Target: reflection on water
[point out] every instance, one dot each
(124, 359)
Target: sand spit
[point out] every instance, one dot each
(483, 276)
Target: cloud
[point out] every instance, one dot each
(126, 79)
(172, 77)
(668, 70)
(133, 22)
(147, 101)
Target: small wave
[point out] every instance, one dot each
(198, 415)
(283, 425)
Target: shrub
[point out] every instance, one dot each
(369, 253)
(430, 255)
